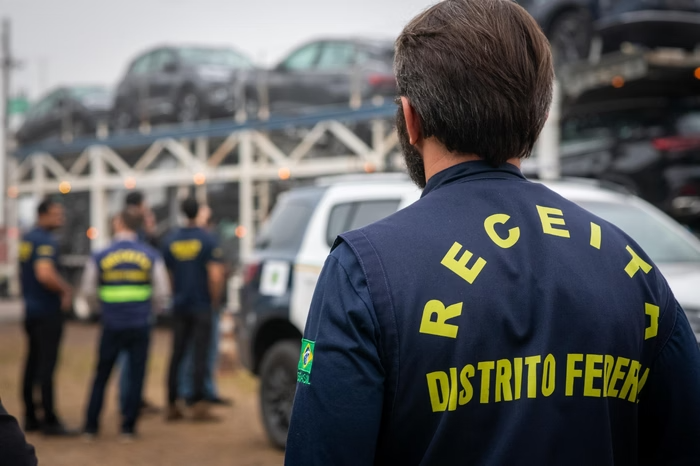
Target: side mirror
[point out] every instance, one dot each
(170, 67)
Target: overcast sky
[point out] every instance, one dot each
(91, 41)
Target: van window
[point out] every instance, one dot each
(354, 215)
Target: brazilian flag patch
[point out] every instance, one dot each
(306, 361)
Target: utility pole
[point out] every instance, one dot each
(7, 64)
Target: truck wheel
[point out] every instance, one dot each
(278, 378)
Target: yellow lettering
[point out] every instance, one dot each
(518, 366)
(438, 326)
(595, 235)
(548, 221)
(485, 367)
(631, 382)
(466, 395)
(452, 405)
(548, 375)
(653, 329)
(25, 250)
(531, 362)
(591, 374)
(185, 250)
(460, 266)
(617, 375)
(503, 376)
(572, 373)
(636, 263)
(439, 389)
(608, 369)
(513, 233)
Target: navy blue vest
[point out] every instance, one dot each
(125, 271)
(506, 312)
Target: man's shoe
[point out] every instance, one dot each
(174, 413)
(201, 412)
(32, 425)
(218, 401)
(148, 408)
(57, 429)
(127, 437)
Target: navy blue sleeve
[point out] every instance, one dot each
(338, 404)
(669, 409)
(45, 248)
(14, 449)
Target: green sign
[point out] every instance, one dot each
(17, 106)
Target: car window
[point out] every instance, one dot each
(142, 65)
(354, 215)
(45, 105)
(161, 58)
(336, 55)
(302, 59)
(656, 236)
(366, 54)
(286, 227)
(215, 57)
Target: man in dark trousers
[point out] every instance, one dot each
(14, 449)
(194, 261)
(492, 322)
(135, 204)
(46, 295)
(130, 280)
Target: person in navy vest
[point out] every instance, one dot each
(129, 280)
(136, 204)
(46, 295)
(492, 322)
(194, 260)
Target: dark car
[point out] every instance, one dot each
(325, 73)
(182, 84)
(66, 112)
(650, 146)
(571, 25)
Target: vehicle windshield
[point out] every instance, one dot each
(284, 230)
(215, 57)
(90, 93)
(656, 236)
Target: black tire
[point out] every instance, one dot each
(278, 378)
(570, 36)
(189, 107)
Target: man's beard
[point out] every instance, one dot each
(413, 158)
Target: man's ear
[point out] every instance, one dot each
(415, 134)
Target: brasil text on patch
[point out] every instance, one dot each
(306, 360)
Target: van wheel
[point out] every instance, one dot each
(278, 379)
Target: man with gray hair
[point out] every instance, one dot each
(492, 322)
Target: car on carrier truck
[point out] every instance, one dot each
(281, 274)
(572, 25)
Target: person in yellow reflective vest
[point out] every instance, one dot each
(129, 280)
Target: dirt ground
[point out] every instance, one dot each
(238, 440)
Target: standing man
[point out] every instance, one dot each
(185, 387)
(136, 204)
(129, 278)
(46, 295)
(194, 261)
(492, 322)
